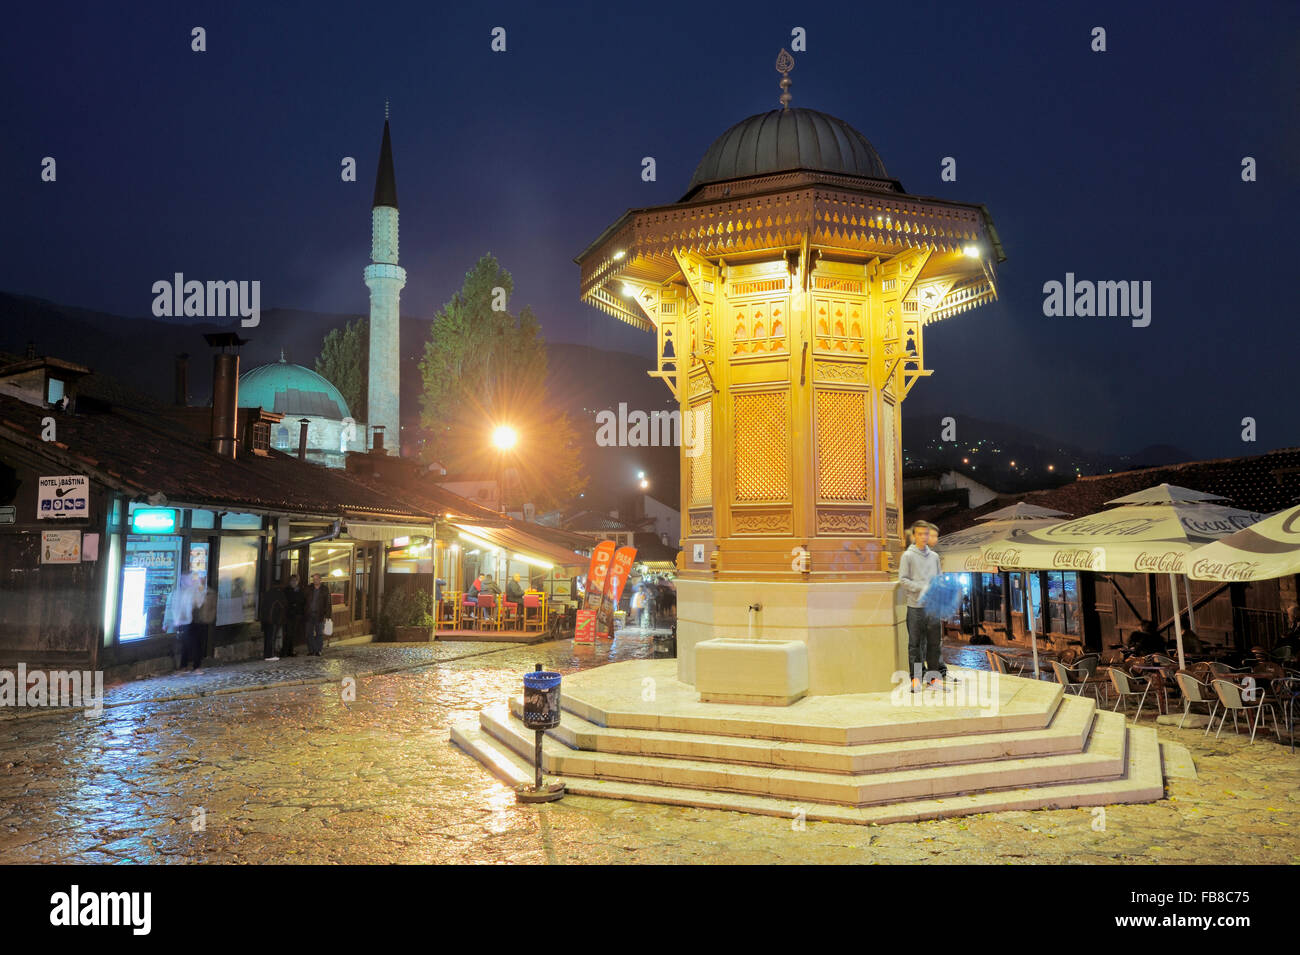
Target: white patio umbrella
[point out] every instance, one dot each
(1152, 531)
(1262, 551)
(962, 549)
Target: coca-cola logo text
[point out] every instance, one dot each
(1230, 570)
(1079, 559)
(1170, 562)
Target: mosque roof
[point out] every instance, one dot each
(290, 389)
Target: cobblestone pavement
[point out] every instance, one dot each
(299, 774)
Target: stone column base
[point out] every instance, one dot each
(855, 631)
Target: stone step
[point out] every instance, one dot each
(1140, 782)
(1067, 733)
(1102, 758)
(645, 695)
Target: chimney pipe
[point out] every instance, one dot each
(182, 393)
(378, 447)
(302, 438)
(225, 403)
(31, 349)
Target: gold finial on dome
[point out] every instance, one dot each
(784, 64)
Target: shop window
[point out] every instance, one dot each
(333, 561)
(1063, 601)
(202, 520)
(237, 580)
(150, 575)
(235, 521)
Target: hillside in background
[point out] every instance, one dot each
(582, 381)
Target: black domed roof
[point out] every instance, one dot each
(787, 139)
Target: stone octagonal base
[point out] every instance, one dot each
(855, 632)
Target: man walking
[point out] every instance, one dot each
(272, 617)
(319, 608)
(917, 570)
(295, 606)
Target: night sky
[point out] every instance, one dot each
(1122, 165)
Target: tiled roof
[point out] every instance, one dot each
(1264, 482)
(145, 454)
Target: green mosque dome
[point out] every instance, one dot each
(290, 389)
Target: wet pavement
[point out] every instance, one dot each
(305, 773)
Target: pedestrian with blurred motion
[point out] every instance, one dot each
(178, 615)
(295, 612)
(320, 606)
(205, 614)
(271, 608)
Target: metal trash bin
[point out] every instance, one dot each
(541, 699)
(541, 713)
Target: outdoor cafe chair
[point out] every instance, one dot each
(1162, 660)
(534, 612)
(1230, 696)
(1073, 678)
(1195, 691)
(1286, 692)
(1000, 664)
(487, 612)
(1126, 686)
(467, 613)
(1222, 669)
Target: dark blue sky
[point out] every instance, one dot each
(1117, 166)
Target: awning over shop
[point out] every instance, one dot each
(386, 532)
(515, 542)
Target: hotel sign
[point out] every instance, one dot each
(63, 496)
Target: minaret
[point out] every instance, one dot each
(385, 279)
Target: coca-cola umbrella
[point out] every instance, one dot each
(1149, 532)
(961, 550)
(1262, 551)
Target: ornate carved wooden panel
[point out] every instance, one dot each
(889, 436)
(762, 433)
(758, 523)
(841, 449)
(839, 325)
(697, 433)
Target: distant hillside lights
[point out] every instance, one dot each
(658, 429)
(1124, 299)
(195, 299)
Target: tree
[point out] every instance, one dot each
(344, 361)
(484, 367)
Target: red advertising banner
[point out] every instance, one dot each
(619, 569)
(596, 574)
(586, 629)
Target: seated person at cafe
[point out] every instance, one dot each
(1192, 643)
(476, 587)
(1147, 640)
(514, 590)
(488, 585)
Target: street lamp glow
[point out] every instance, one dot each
(619, 255)
(629, 288)
(640, 475)
(644, 484)
(971, 251)
(505, 437)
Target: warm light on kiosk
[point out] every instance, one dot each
(534, 561)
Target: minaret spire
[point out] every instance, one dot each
(386, 180)
(385, 279)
